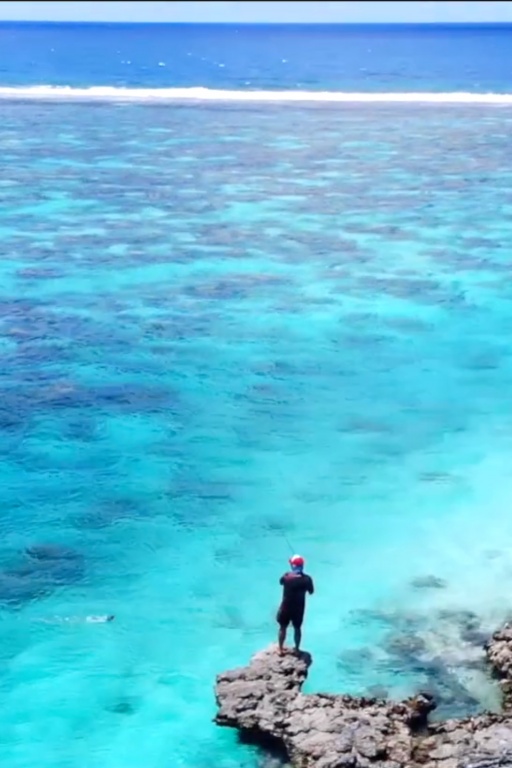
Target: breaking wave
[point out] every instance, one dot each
(200, 94)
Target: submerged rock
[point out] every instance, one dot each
(42, 568)
(352, 659)
(52, 552)
(428, 582)
(377, 692)
(466, 620)
(54, 563)
(264, 702)
(406, 645)
(122, 707)
(16, 590)
(475, 637)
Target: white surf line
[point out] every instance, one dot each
(112, 94)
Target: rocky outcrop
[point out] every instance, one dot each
(264, 702)
(251, 698)
(499, 653)
(476, 742)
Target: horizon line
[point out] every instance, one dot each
(481, 23)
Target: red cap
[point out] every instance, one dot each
(297, 560)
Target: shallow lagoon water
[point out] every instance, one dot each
(222, 327)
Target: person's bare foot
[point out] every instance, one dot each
(280, 651)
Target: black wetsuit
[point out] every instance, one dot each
(295, 586)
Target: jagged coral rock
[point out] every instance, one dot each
(264, 701)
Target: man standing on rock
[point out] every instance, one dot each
(295, 584)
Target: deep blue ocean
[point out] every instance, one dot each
(279, 57)
(232, 322)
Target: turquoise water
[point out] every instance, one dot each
(221, 326)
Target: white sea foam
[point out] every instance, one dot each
(110, 93)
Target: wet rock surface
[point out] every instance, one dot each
(264, 702)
